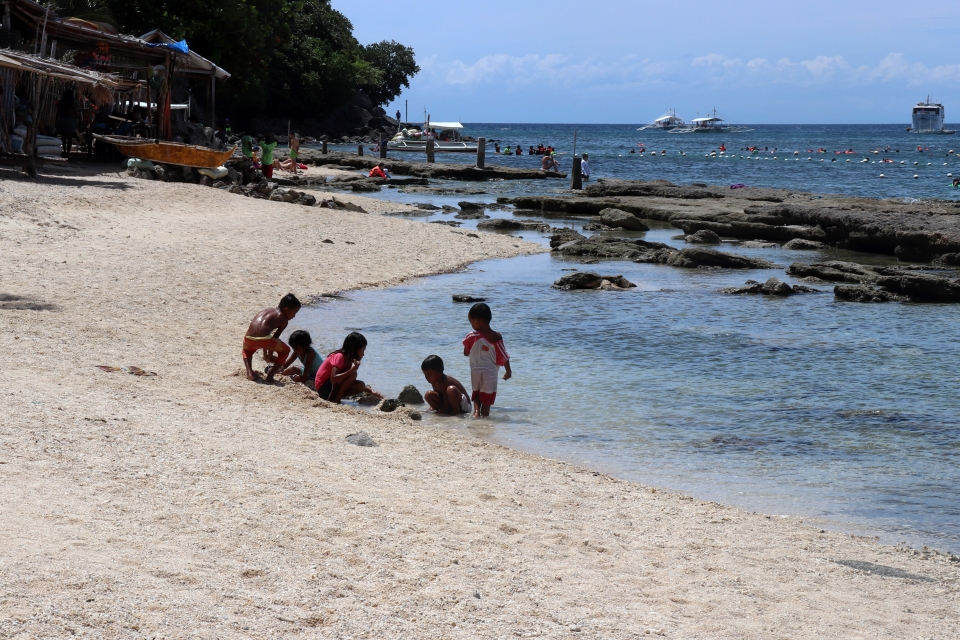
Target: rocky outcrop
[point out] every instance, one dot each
(462, 297)
(505, 224)
(704, 236)
(622, 220)
(410, 395)
(897, 283)
(587, 280)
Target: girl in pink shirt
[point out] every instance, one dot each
(337, 376)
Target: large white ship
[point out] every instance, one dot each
(928, 118)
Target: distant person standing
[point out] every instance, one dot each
(585, 167)
(398, 117)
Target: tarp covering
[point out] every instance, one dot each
(175, 46)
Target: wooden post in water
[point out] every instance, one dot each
(383, 145)
(481, 152)
(323, 147)
(576, 181)
(430, 157)
(360, 149)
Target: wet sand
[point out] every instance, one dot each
(196, 504)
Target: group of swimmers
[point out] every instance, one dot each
(539, 150)
(336, 376)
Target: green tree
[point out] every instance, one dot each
(396, 65)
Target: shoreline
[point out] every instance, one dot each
(140, 506)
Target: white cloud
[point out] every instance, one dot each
(716, 60)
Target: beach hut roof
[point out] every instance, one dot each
(190, 61)
(18, 60)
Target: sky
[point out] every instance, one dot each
(622, 61)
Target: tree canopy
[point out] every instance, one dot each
(296, 56)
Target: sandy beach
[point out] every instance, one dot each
(195, 504)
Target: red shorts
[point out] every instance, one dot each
(486, 399)
(273, 345)
(267, 170)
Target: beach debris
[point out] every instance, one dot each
(361, 439)
(410, 395)
(390, 405)
(588, 280)
(622, 220)
(703, 236)
(772, 287)
(799, 244)
(507, 224)
(461, 297)
(134, 371)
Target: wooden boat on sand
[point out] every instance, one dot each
(184, 155)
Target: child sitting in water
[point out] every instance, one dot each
(448, 396)
(301, 344)
(484, 347)
(337, 376)
(259, 336)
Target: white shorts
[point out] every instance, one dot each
(465, 406)
(484, 380)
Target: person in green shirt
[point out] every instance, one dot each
(246, 145)
(266, 164)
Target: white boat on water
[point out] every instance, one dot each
(667, 122)
(928, 118)
(710, 124)
(446, 138)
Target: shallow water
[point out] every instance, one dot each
(805, 405)
(609, 148)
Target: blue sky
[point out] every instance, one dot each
(845, 61)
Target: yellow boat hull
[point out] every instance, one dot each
(176, 153)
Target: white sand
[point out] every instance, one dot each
(195, 504)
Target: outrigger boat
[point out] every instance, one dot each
(667, 122)
(177, 153)
(448, 140)
(711, 124)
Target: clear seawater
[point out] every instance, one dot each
(609, 149)
(842, 413)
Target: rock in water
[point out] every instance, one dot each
(758, 244)
(410, 395)
(693, 258)
(622, 220)
(390, 405)
(587, 280)
(506, 224)
(564, 235)
(414, 415)
(361, 439)
(775, 287)
(704, 236)
(459, 297)
(864, 293)
(471, 205)
(799, 244)
(367, 400)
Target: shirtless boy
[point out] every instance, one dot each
(448, 396)
(264, 333)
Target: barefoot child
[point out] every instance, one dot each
(264, 333)
(301, 344)
(337, 376)
(484, 347)
(448, 397)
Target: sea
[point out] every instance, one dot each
(842, 414)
